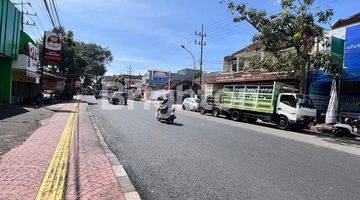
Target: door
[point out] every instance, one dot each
(287, 106)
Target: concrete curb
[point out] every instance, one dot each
(123, 179)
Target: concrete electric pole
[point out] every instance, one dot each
(202, 43)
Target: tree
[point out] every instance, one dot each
(78, 59)
(96, 56)
(296, 26)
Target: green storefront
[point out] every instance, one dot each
(10, 19)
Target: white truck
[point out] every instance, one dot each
(277, 103)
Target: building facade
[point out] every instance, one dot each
(10, 21)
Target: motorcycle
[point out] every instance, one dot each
(351, 128)
(166, 114)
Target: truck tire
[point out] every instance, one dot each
(183, 107)
(216, 112)
(283, 123)
(202, 111)
(236, 115)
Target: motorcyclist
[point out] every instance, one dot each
(166, 104)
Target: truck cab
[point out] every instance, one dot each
(294, 109)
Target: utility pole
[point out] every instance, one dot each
(130, 73)
(22, 3)
(202, 43)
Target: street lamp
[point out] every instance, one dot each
(182, 46)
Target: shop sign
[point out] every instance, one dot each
(33, 51)
(52, 84)
(52, 47)
(77, 84)
(352, 53)
(25, 62)
(160, 76)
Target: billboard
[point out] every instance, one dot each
(160, 76)
(52, 47)
(352, 53)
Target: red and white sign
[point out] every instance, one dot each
(77, 84)
(52, 46)
(33, 51)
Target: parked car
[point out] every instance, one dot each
(190, 104)
(104, 94)
(118, 98)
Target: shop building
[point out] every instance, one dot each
(25, 76)
(235, 71)
(10, 20)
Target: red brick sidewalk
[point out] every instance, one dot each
(90, 174)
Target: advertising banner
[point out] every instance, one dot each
(352, 53)
(52, 47)
(160, 76)
(350, 98)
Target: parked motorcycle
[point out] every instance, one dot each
(350, 128)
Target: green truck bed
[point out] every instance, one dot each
(257, 98)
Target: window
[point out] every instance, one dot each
(240, 67)
(289, 100)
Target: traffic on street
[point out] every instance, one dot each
(202, 157)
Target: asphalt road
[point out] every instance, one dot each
(201, 159)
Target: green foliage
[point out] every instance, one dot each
(296, 25)
(284, 63)
(79, 59)
(120, 80)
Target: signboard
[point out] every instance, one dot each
(77, 84)
(52, 84)
(352, 53)
(25, 62)
(337, 50)
(33, 51)
(159, 76)
(52, 47)
(350, 98)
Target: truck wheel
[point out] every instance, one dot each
(236, 116)
(283, 123)
(216, 113)
(183, 107)
(202, 111)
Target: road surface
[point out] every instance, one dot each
(201, 157)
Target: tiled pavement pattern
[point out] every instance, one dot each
(23, 167)
(90, 173)
(17, 123)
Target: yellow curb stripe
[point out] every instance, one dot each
(53, 183)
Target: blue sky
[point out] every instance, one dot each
(147, 34)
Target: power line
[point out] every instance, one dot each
(49, 13)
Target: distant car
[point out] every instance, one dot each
(104, 94)
(191, 104)
(118, 98)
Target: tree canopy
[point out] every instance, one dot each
(296, 25)
(79, 59)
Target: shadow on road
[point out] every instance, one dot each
(7, 111)
(177, 124)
